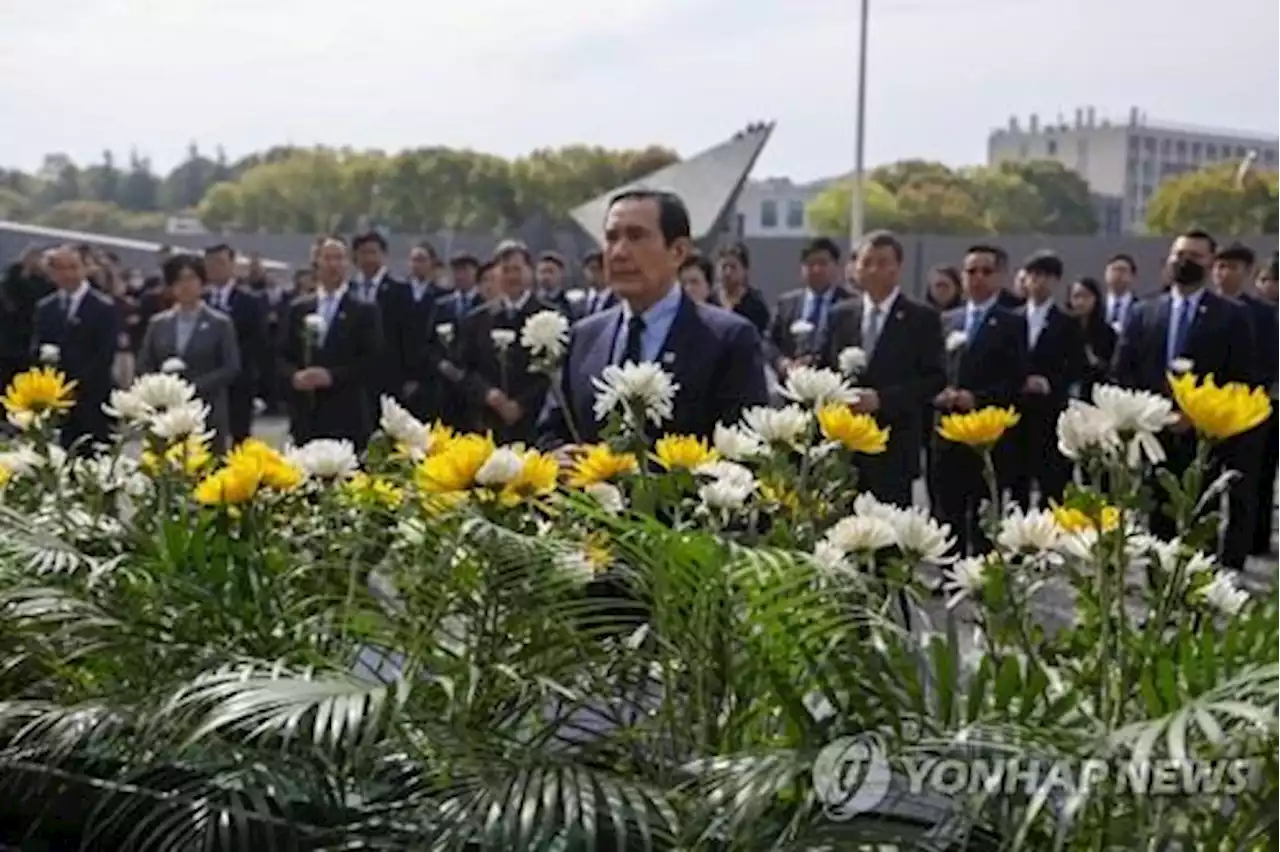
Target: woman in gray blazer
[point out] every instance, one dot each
(195, 341)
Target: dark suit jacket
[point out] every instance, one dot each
(486, 369)
(1058, 356)
(1266, 337)
(248, 312)
(993, 365)
(351, 352)
(419, 349)
(87, 344)
(906, 370)
(781, 342)
(714, 356)
(752, 307)
(1220, 341)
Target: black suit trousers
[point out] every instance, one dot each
(959, 488)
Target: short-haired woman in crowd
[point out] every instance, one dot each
(1085, 299)
(696, 277)
(736, 293)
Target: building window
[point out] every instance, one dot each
(1148, 170)
(1149, 145)
(1210, 151)
(768, 213)
(1133, 144)
(1269, 156)
(1052, 147)
(1147, 189)
(795, 214)
(1181, 150)
(1024, 151)
(1241, 152)
(1195, 151)
(1164, 147)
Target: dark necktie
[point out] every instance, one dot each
(1181, 327)
(634, 352)
(66, 304)
(1115, 312)
(815, 312)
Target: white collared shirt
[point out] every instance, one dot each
(1119, 306)
(327, 303)
(75, 298)
(869, 307)
(222, 295)
(518, 304)
(1037, 318)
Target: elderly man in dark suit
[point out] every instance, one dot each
(84, 325)
(987, 366)
(195, 341)
(330, 349)
(1055, 361)
(1189, 321)
(714, 356)
(902, 342)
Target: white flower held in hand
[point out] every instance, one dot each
(314, 324)
(50, 353)
(1179, 366)
(575, 296)
(173, 365)
(502, 337)
(643, 388)
(852, 360)
(956, 341)
(444, 331)
(818, 386)
(801, 328)
(546, 335)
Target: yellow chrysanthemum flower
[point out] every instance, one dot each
(374, 490)
(455, 467)
(981, 428)
(38, 390)
(1217, 412)
(683, 452)
(5, 476)
(537, 476)
(273, 469)
(434, 505)
(858, 433)
(229, 486)
(189, 455)
(601, 464)
(1075, 520)
(778, 494)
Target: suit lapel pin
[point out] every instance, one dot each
(668, 358)
(898, 314)
(991, 321)
(203, 326)
(1202, 309)
(342, 314)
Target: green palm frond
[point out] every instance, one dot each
(36, 544)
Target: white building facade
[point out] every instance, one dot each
(1124, 163)
(776, 207)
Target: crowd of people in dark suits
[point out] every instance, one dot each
(446, 345)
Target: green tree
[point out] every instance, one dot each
(896, 176)
(183, 187)
(935, 208)
(1068, 202)
(59, 180)
(14, 205)
(555, 180)
(1218, 199)
(141, 187)
(1007, 203)
(84, 215)
(102, 181)
(829, 211)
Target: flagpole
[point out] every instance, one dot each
(856, 203)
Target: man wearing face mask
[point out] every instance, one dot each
(1191, 323)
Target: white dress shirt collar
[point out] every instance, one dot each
(518, 303)
(869, 304)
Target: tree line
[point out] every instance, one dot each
(290, 189)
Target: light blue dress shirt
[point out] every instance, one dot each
(824, 301)
(184, 327)
(657, 325)
(1182, 312)
(975, 314)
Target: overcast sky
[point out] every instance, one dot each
(507, 76)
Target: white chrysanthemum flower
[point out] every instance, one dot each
(817, 386)
(314, 324)
(126, 406)
(726, 494)
(1178, 366)
(852, 360)
(575, 296)
(173, 365)
(1222, 594)
(862, 534)
(444, 331)
(403, 428)
(180, 421)
(50, 353)
(643, 389)
(921, 537)
(956, 341)
(786, 425)
(1138, 417)
(546, 335)
(1085, 429)
(502, 337)
(868, 506)
(24, 420)
(503, 465)
(162, 391)
(801, 328)
(726, 470)
(831, 558)
(735, 443)
(964, 578)
(325, 458)
(1035, 532)
(21, 460)
(608, 495)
